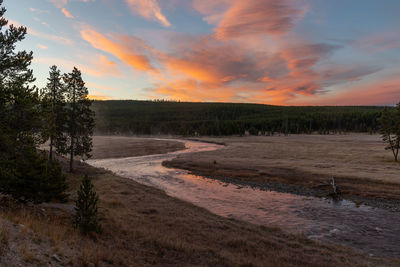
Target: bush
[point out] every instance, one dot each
(27, 175)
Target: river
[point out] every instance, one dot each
(371, 230)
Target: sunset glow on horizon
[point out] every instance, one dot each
(286, 52)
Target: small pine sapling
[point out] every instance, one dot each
(86, 217)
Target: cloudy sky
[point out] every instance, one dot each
(289, 52)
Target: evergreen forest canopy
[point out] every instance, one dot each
(189, 119)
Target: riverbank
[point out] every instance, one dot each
(144, 226)
(304, 165)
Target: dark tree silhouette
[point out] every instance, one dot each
(24, 173)
(79, 119)
(54, 111)
(86, 217)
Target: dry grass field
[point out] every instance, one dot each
(358, 162)
(122, 147)
(143, 226)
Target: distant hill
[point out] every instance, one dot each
(184, 118)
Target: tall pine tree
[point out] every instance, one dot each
(53, 101)
(24, 173)
(80, 118)
(19, 103)
(19, 119)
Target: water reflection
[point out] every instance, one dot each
(372, 230)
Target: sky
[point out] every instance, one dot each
(286, 52)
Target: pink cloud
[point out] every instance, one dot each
(253, 56)
(380, 92)
(379, 42)
(67, 13)
(149, 9)
(208, 7)
(63, 3)
(238, 18)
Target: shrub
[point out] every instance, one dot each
(29, 176)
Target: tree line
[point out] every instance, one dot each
(190, 119)
(29, 117)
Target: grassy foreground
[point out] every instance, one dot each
(144, 226)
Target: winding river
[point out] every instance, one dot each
(371, 230)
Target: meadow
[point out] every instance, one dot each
(363, 170)
(144, 226)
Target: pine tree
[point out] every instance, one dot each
(24, 173)
(53, 102)
(19, 120)
(390, 130)
(18, 101)
(86, 217)
(80, 118)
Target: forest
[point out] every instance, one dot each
(191, 119)
(30, 116)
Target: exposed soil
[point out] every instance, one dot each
(305, 165)
(143, 226)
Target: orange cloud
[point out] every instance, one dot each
(59, 3)
(267, 64)
(208, 60)
(42, 46)
(67, 13)
(149, 9)
(106, 61)
(190, 90)
(99, 97)
(220, 71)
(135, 59)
